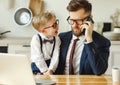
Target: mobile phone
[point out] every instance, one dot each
(88, 19)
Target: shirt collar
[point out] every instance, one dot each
(44, 37)
(82, 38)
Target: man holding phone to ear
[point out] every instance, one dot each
(82, 51)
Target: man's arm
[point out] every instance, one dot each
(98, 56)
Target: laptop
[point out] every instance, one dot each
(15, 69)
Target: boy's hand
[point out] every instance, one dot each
(49, 72)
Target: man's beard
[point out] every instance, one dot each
(77, 34)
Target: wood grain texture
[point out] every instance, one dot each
(80, 79)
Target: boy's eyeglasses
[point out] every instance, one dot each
(54, 25)
(77, 21)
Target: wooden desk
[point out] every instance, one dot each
(80, 79)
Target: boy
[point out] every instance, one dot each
(45, 45)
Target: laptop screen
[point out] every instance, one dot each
(15, 69)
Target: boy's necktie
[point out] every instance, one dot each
(71, 70)
(50, 41)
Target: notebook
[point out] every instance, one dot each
(15, 69)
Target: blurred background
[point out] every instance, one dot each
(102, 10)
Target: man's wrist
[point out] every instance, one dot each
(89, 40)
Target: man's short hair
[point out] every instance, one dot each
(75, 5)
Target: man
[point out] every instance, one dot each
(91, 49)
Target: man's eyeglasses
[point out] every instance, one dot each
(77, 21)
(54, 25)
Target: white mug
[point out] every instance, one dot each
(116, 74)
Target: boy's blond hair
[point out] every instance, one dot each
(40, 20)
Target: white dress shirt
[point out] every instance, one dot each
(39, 58)
(76, 56)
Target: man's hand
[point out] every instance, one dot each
(88, 26)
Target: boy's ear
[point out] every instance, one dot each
(42, 30)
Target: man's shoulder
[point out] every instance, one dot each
(65, 33)
(65, 36)
(100, 38)
(97, 35)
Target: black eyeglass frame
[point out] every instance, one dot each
(53, 25)
(75, 21)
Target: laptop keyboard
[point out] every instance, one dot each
(39, 84)
(44, 82)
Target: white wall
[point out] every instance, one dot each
(102, 9)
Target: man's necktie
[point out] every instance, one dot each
(50, 41)
(71, 70)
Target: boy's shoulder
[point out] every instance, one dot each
(35, 37)
(57, 38)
